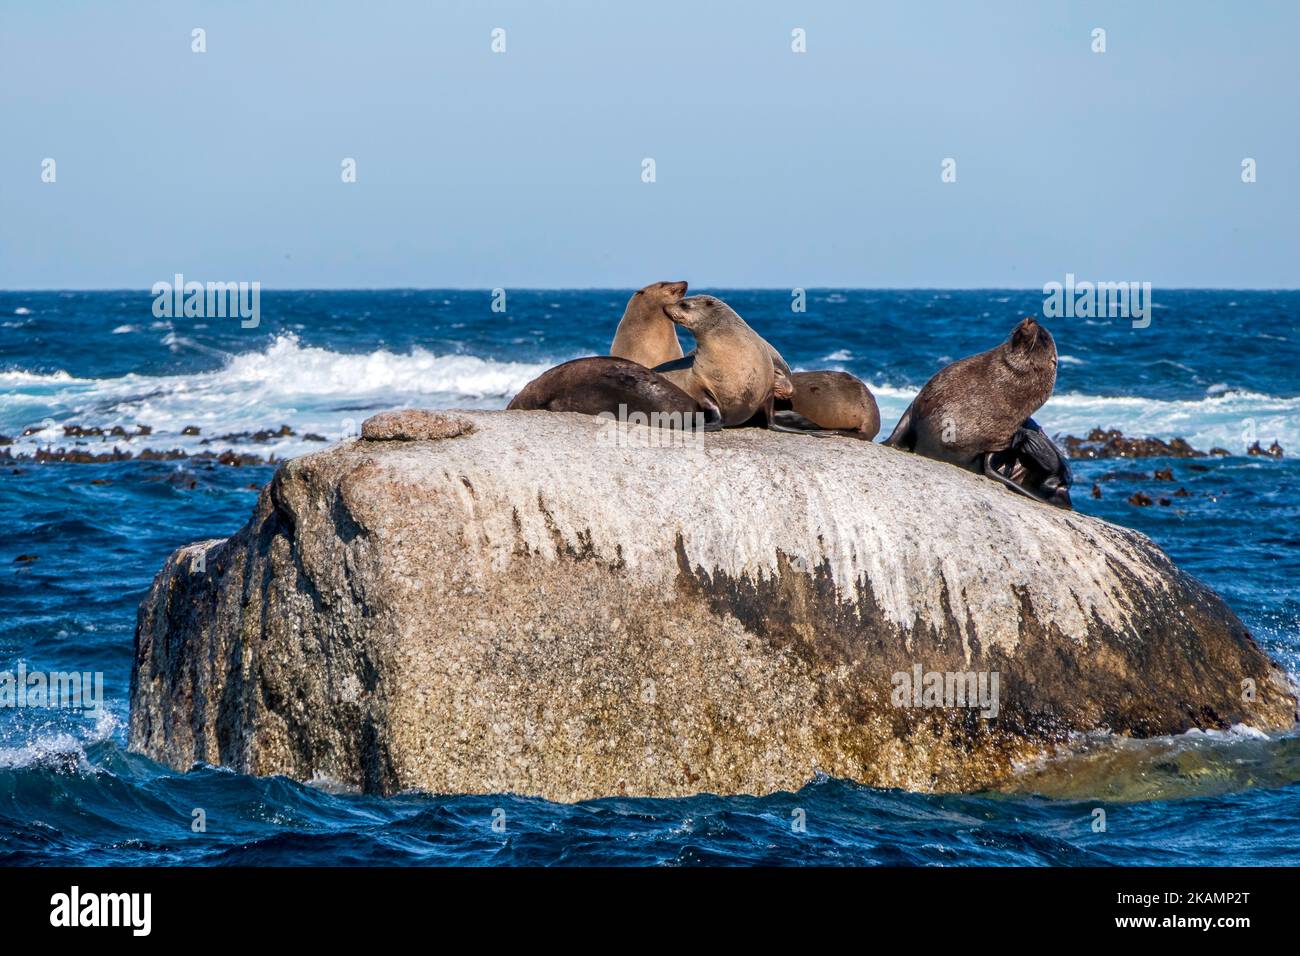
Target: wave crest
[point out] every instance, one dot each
(310, 388)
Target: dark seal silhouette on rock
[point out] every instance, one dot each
(645, 334)
(604, 385)
(1034, 465)
(980, 406)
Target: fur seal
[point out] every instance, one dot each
(602, 383)
(1034, 465)
(645, 334)
(974, 408)
(832, 402)
(731, 367)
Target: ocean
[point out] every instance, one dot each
(80, 543)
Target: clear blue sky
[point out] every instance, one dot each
(774, 169)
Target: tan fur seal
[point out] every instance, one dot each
(977, 406)
(830, 401)
(603, 384)
(732, 366)
(645, 334)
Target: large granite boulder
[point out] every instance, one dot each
(539, 603)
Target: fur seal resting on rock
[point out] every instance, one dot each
(832, 402)
(602, 384)
(731, 366)
(1034, 465)
(979, 406)
(820, 402)
(645, 334)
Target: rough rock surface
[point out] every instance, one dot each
(414, 424)
(540, 604)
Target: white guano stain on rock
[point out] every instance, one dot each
(908, 526)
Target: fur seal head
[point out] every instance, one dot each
(1031, 349)
(659, 294)
(702, 314)
(645, 334)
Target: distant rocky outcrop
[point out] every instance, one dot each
(535, 602)
(1112, 443)
(82, 452)
(1272, 451)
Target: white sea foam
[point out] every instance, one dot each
(20, 379)
(1229, 419)
(62, 748)
(310, 389)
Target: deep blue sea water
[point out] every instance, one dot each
(1218, 368)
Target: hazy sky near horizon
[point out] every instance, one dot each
(524, 169)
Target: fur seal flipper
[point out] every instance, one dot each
(676, 365)
(903, 436)
(603, 384)
(788, 420)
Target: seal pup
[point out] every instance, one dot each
(974, 408)
(645, 334)
(1035, 466)
(731, 367)
(603, 384)
(830, 403)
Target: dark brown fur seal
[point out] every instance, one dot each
(1035, 465)
(830, 401)
(731, 367)
(602, 384)
(645, 334)
(977, 406)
